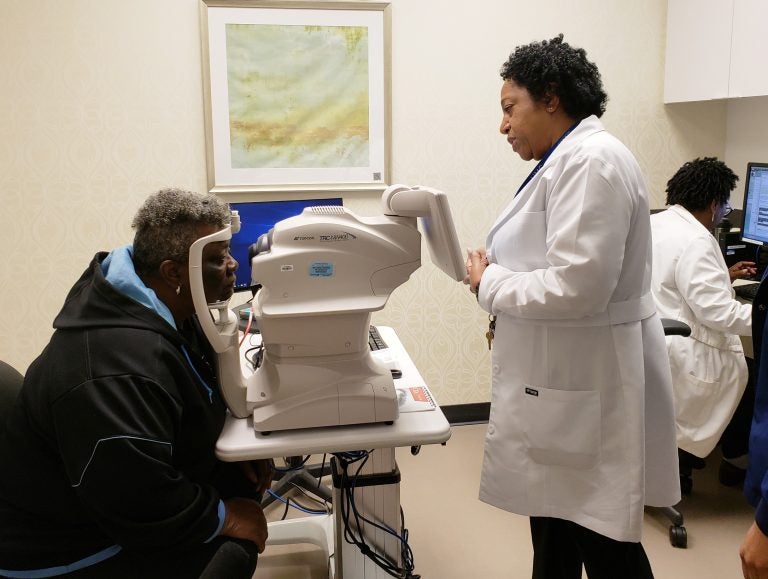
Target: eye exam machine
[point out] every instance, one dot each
(321, 274)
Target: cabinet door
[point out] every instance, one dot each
(698, 49)
(749, 49)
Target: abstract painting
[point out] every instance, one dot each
(297, 99)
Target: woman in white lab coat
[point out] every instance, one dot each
(692, 283)
(581, 430)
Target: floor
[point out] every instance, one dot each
(453, 535)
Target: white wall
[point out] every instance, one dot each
(102, 104)
(746, 138)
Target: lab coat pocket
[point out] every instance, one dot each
(562, 427)
(695, 399)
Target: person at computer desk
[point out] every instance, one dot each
(108, 464)
(692, 284)
(581, 432)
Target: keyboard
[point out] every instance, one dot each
(746, 291)
(375, 341)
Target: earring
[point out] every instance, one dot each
(178, 290)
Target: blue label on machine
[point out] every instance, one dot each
(321, 269)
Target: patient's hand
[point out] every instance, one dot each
(742, 269)
(244, 519)
(754, 554)
(260, 473)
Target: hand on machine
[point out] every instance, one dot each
(321, 274)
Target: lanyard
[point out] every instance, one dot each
(543, 160)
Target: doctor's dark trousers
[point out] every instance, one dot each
(561, 547)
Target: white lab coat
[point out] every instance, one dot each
(582, 423)
(691, 284)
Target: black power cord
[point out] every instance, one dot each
(354, 536)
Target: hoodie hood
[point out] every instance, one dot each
(92, 301)
(119, 271)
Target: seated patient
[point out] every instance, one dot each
(691, 283)
(108, 465)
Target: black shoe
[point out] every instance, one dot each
(730, 475)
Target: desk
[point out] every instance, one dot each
(239, 441)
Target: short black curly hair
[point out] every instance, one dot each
(700, 182)
(555, 67)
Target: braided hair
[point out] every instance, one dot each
(700, 182)
(553, 67)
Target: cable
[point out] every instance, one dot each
(285, 510)
(348, 507)
(255, 361)
(290, 467)
(250, 321)
(247, 329)
(348, 501)
(295, 505)
(322, 471)
(314, 499)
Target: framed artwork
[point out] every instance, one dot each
(297, 95)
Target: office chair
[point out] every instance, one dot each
(10, 385)
(678, 536)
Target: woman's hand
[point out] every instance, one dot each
(742, 269)
(477, 261)
(754, 554)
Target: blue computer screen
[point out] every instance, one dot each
(258, 217)
(754, 228)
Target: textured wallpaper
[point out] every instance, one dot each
(102, 105)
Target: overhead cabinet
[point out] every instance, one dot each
(715, 49)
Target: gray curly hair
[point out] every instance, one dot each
(167, 224)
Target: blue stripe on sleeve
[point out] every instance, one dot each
(222, 511)
(61, 569)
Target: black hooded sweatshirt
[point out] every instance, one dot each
(111, 441)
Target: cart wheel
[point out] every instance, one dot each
(678, 536)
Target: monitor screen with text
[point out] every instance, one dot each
(754, 228)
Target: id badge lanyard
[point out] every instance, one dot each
(544, 158)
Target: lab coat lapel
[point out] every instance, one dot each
(513, 207)
(586, 127)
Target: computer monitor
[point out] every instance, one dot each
(258, 217)
(754, 226)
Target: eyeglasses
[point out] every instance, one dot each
(727, 209)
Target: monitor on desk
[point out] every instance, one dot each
(754, 225)
(258, 217)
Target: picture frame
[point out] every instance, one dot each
(297, 95)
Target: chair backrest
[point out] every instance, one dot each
(675, 327)
(10, 385)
